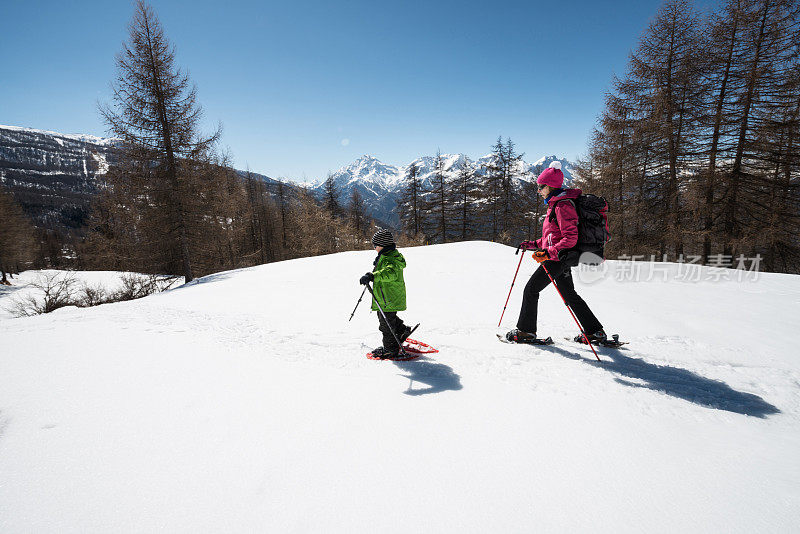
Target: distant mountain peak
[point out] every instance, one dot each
(566, 166)
(82, 138)
(380, 184)
(366, 158)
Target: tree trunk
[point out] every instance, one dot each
(708, 222)
(732, 228)
(172, 171)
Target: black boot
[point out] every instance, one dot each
(404, 335)
(518, 336)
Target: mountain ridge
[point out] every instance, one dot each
(380, 184)
(54, 175)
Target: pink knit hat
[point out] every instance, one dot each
(552, 176)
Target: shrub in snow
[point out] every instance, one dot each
(92, 296)
(136, 286)
(58, 290)
(55, 290)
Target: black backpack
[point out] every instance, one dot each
(593, 233)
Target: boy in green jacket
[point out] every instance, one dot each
(389, 289)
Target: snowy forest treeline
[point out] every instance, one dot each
(698, 148)
(494, 200)
(696, 152)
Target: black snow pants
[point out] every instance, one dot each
(396, 324)
(562, 274)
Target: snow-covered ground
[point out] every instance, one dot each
(243, 403)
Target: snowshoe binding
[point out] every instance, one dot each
(601, 339)
(382, 353)
(394, 356)
(518, 336)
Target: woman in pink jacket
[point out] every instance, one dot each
(559, 235)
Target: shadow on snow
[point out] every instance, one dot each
(673, 381)
(8, 290)
(3, 424)
(207, 279)
(676, 382)
(437, 376)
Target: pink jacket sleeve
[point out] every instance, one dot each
(567, 218)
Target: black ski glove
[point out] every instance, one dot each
(364, 280)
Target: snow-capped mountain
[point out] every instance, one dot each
(566, 167)
(53, 175)
(381, 184)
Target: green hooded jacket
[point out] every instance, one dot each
(389, 286)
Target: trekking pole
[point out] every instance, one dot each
(357, 303)
(585, 337)
(402, 350)
(512, 287)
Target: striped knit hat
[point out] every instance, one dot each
(383, 238)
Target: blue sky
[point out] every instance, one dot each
(303, 87)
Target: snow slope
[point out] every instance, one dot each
(243, 403)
